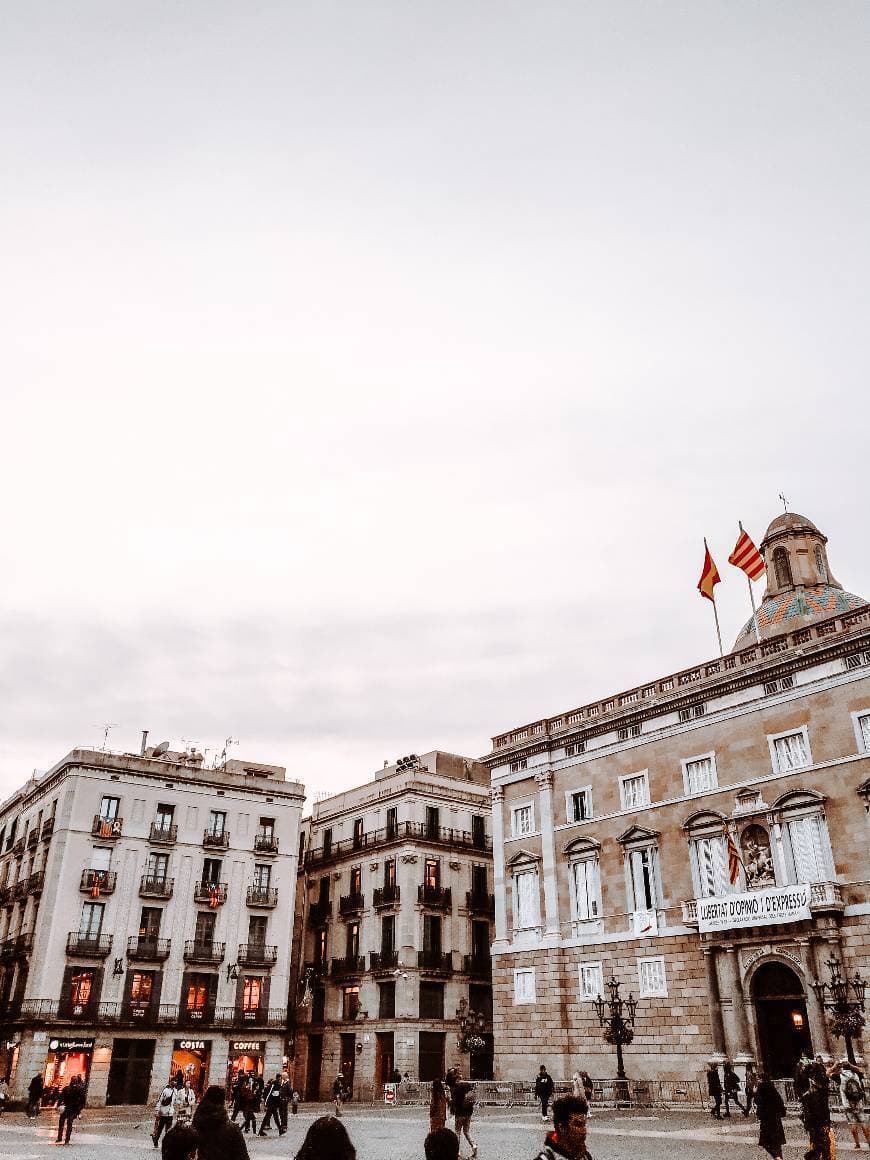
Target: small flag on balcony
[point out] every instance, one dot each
(734, 862)
(95, 888)
(747, 557)
(106, 830)
(214, 899)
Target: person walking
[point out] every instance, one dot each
(249, 1107)
(163, 1113)
(238, 1087)
(338, 1095)
(4, 1095)
(272, 1105)
(714, 1090)
(218, 1138)
(285, 1094)
(816, 1117)
(183, 1104)
(568, 1137)
(731, 1087)
(544, 1088)
(437, 1106)
(770, 1109)
(326, 1139)
(35, 1090)
(750, 1086)
(73, 1100)
(853, 1097)
(462, 1106)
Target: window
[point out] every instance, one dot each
(252, 993)
(820, 565)
(217, 823)
(861, 723)
(323, 890)
(92, 920)
(352, 940)
(579, 804)
(516, 766)
(266, 829)
(432, 934)
(651, 976)
(357, 833)
(628, 731)
(101, 858)
(262, 876)
(524, 985)
(211, 871)
(479, 940)
(164, 818)
(782, 568)
(432, 874)
(712, 860)
(388, 934)
(591, 981)
(197, 992)
(479, 882)
(576, 748)
(149, 922)
(431, 1000)
(644, 889)
(327, 841)
(808, 838)
(109, 807)
(387, 1001)
(699, 773)
(320, 947)
(257, 926)
(433, 821)
(634, 791)
(141, 989)
(157, 867)
(526, 904)
(522, 820)
(585, 890)
(356, 880)
(478, 831)
(81, 988)
(392, 823)
(349, 1002)
(389, 873)
(204, 930)
(790, 751)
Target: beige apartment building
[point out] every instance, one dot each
(611, 827)
(146, 907)
(396, 904)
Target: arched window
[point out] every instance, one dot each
(782, 567)
(585, 881)
(820, 564)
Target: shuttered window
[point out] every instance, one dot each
(808, 849)
(586, 889)
(712, 867)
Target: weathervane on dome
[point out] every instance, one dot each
(784, 502)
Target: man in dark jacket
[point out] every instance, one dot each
(285, 1096)
(816, 1117)
(218, 1138)
(544, 1088)
(714, 1089)
(568, 1137)
(34, 1095)
(731, 1084)
(272, 1103)
(73, 1099)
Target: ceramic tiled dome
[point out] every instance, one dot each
(791, 610)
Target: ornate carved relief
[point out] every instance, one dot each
(409, 858)
(544, 779)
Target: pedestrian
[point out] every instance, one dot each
(163, 1113)
(442, 1144)
(714, 1090)
(180, 1143)
(750, 1086)
(294, 1102)
(218, 1138)
(183, 1104)
(853, 1098)
(544, 1088)
(731, 1087)
(338, 1093)
(568, 1137)
(34, 1096)
(816, 1117)
(249, 1107)
(437, 1106)
(588, 1089)
(462, 1106)
(285, 1095)
(72, 1099)
(4, 1095)
(326, 1139)
(770, 1109)
(395, 1076)
(272, 1105)
(238, 1088)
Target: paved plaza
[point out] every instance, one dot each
(381, 1134)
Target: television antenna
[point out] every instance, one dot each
(107, 728)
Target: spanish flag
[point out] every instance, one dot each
(709, 576)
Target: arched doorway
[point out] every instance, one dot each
(781, 1010)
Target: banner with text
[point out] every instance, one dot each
(774, 904)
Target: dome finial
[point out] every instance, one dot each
(784, 502)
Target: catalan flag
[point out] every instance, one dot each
(709, 576)
(734, 862)
(747, 557)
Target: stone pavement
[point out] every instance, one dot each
(396, 1134)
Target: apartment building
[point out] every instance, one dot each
(146, 908)
(613, 824)
(396, 905)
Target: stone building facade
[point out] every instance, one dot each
(396, 904)
(146, 905)
(611, 831)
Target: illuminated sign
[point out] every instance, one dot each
(70, 1045)
(247, 1045)
(191, 1045)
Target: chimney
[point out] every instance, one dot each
(144, 742)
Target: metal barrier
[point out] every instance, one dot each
(607, 1093)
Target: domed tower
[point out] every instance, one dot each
(800, 588)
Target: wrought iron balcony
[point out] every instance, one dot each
(319, 913)
(107, 827)
(213, 893)
(161, 835)
(196, 1016)
(19, 890)
(204, 952)
(435, 897)
(146, 948)
(257, 955)
(159, 887)
(16, 947)
(265, 844)
(479, 902)
(404, 831)
(385, 896)
(36, 882)
(32, 839)
(273, 1017)
(88, 946)
(351, 903)
(435, 962)
(47, 828)
(18, 846)
(262, 896)
(383, 962)
(349, 965)
(216, 840)
(477, 966)
(6, 893)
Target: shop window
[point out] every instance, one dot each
(431, 1000)
(524, 985)
(699, 773)
(591, 981)
(349, 1003)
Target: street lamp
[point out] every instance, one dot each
(616, 1016)
(846, 1015)
(471, 1026)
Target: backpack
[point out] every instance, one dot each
(167, 1097)
(853, 1089)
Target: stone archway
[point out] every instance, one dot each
(780, 1003)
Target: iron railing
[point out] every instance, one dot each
(107, 827)
(257, 954)
(155, 887)
(88, 945)
(386, 896)
(403, 832)
(265, 844)
(98, 881)
(214, 893)
(163, 835)
(381, 962)
(435, 962)
(204, 952)
(435, 897)
(349, 903)
(349, 965)
(479, 902)
(216, 840)
(144, 948)
(262, 896)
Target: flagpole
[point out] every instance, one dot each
(718, 632)
(751, 599)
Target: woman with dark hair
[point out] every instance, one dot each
(218, 1138)
(770, 1110)
(326, 1139)
(437, 1105)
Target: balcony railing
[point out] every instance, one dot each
(215, 839)
(36, 882)
(477, 966)
(6, 893)
(47, 828)
(478, 902)
(19, 890)
(161, 835)
(196, 1016)
(275, 1017)
(213, 893)
(319, 913)
(32, 839)
(382, 962)
(257, 955)
(18, 846)
(262, 896)
(16, 946)
(265, 844)
(97, 882)
(144, 948)
(435, 897)
(385, 896)
(159, 887)
(90, 946)
(403, 832)
(107, 827)
(435, 962)
(204, 952)
(350, 903)
(42, 1011)
(349, 965)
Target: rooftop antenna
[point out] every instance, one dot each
(107, 729)
(229, 741)
(784, 502)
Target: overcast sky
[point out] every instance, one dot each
(372, 372)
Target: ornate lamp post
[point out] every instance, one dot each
(616, 1016)
(471, 1026)
(846, 1015)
